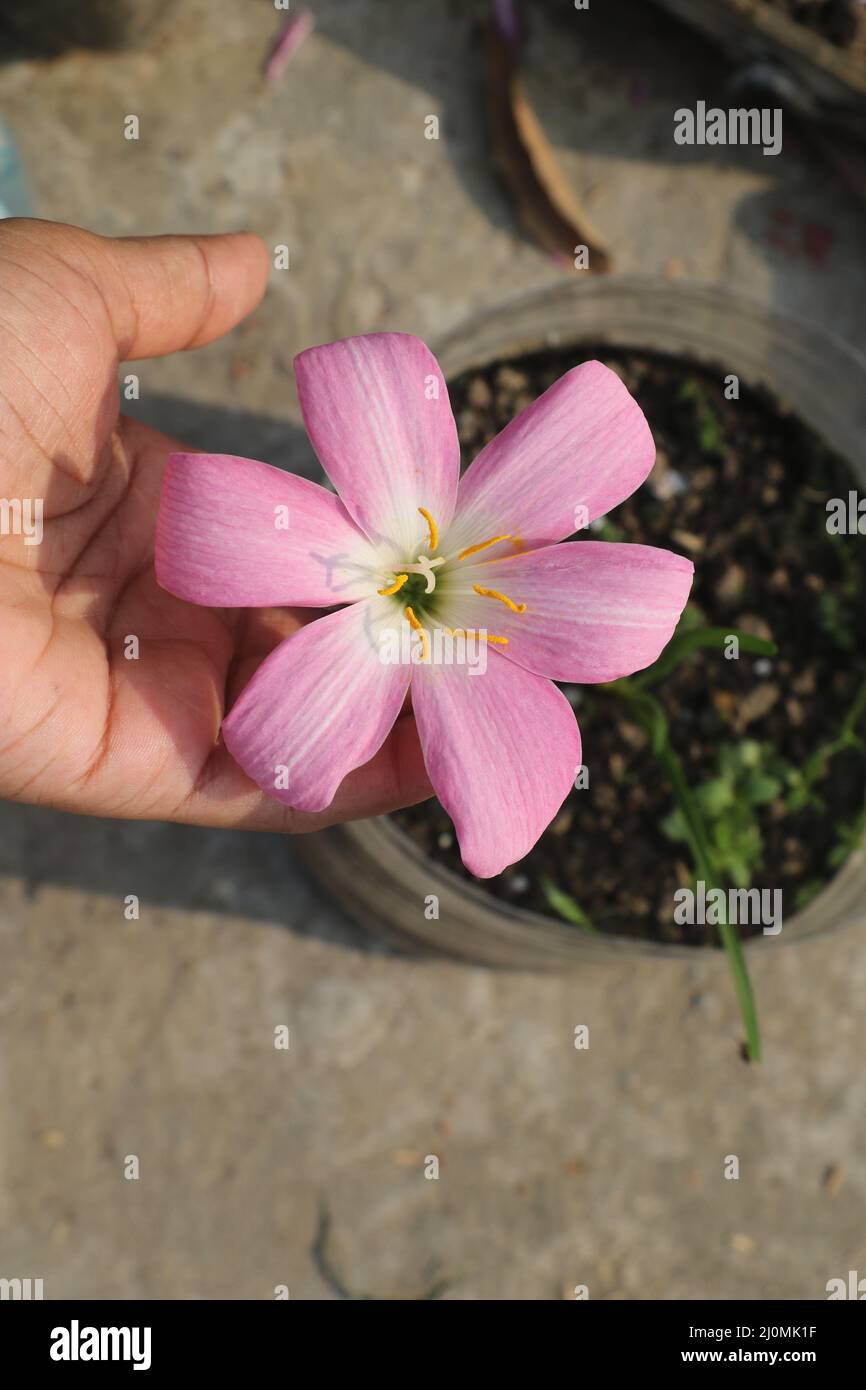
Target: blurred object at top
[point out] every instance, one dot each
(297, 28)
(44, 28)
(813, 52)
(546, 205)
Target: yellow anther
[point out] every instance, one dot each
(474, 632)
(503, 598)
(398, 584)
(425, 640)
(432, 527)
(484, 545)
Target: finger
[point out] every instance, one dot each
(394, 778)
(161, 294)
(182, 291)
(71, 304)
(259, 631)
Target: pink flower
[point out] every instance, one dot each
(409, 547)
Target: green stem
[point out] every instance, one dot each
(705, 868)
(651, 716)
(854, 715)
(816, 764)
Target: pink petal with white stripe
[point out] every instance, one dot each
(569, 457)
(502, 749)
(319, 706)
(236, 533)
(595, 610)
(376, 409)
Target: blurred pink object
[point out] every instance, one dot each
(509, 21)
(299, 27)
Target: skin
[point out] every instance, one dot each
(81, 727)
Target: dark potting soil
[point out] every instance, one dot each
(741, 487)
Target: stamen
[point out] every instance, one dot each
(503, 598)
(398, 584)
(433, 528)
(474, 549)
(469, 632)
(425, 640)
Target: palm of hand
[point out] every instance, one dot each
(91, 720)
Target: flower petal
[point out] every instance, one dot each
(569, 457)
(502, 749)
(595, 610)
(236, 533)
(376, 409)
(320, 705)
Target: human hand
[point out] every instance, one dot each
(82, 727)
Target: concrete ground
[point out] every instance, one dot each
(155, 1038)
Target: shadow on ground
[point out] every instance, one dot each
(223, 431)
(232, 872)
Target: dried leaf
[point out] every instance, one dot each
(545, 203)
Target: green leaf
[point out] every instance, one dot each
(806, 892)
(673, 825)
(750, 752)
(849, 838)
(763, 788)
(715, 796)
(817, 764)
(710, 434)
(564, 904)
(834, 620)
(692, 616)
(685, 642)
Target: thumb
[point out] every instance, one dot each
(180, 291)
(160, 294)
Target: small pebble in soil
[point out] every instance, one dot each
(732, 584)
